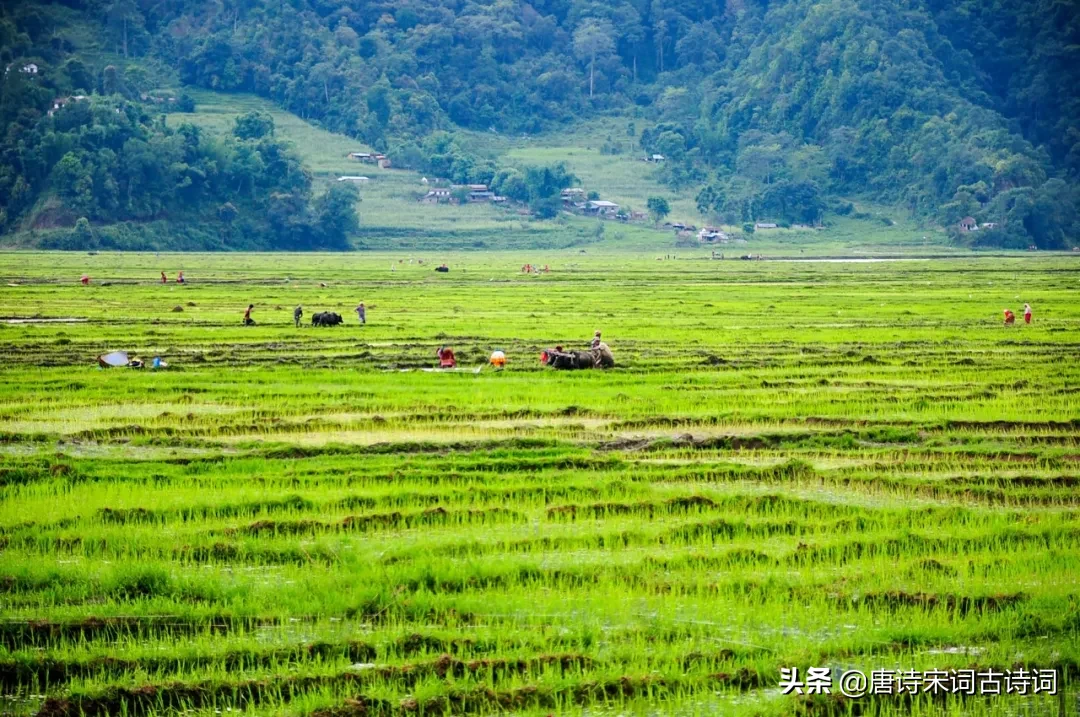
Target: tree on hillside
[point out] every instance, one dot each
(592, 39)
(709, 200)
(548, 181)
(112, 81)
(124, 17)
(335, 215)
(700, 46)
(379, 103)
(658, 208)
(509, 183)
(83, 233)
(254, 125)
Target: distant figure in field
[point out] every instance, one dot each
(164, 279)
(297, 314)
(1010, 318)
(602, 355)
(85, 279)
(248, 321)
(361, 313)
(180, 278)
(595, 340)
(446, 357)
(1027, 313)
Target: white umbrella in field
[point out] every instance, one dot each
(114, 359)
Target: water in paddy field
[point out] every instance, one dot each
(849, 261)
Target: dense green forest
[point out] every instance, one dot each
(774, 109)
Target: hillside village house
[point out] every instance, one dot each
(765, 225)
(601, 208)
(655, 158)
(711, 235)
(156, 99)
(29, 68)
(436, 195)
(59, 102)
(968, 224)
(371, 158)
(354, 180)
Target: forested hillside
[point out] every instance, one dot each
(783, 110)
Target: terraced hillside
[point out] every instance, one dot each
(851, 465)
(390, 216)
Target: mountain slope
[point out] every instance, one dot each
(778, 111)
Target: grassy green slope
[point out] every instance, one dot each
(621, 178)
(389, 213)
(392, 219)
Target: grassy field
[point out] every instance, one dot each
(849, 465)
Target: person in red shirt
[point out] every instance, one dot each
(446, 357)
(1010, 318)
(85, 279)
(1027, 313)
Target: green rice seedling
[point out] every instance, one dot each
(852, 466)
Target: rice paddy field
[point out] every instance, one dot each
(851, 465)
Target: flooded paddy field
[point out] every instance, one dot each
(845, 465)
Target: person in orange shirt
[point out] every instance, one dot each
(1010, 318)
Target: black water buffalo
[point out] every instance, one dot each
(326, 318)
(572, 360)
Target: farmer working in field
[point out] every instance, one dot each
(446, 357)
(164, 279)
(180, 278)
(1010, 318)
(1027, 313)
(361, 313)
(601, 353)
(248, 321)
(595, 340)
(297, 314)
